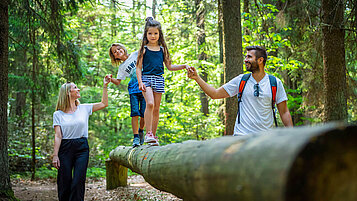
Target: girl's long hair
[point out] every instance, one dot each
(150, 22)
(63, 101)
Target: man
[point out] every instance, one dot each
(255, 109)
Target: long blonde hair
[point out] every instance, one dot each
(63, 101)
(116, 62)
(150, 22)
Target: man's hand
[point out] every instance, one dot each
(192, 73)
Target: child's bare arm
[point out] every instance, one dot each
(175, 67)
(115, 81)
(139, 66)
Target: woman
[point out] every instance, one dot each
(71, 151)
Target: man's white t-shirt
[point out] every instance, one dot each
(73, 125)
(256, 113)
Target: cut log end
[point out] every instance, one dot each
(325, 169)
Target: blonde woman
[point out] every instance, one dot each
(71, 151)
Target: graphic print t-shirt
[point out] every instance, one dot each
(128, 69)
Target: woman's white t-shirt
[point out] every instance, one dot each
(73, 125)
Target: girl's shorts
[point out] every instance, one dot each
(156, 82)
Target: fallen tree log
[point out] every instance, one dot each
(286, 164)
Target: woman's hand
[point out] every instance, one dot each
(56, 162)
(107, 79)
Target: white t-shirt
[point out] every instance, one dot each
(128, 67)
(73, 125)
(256, 113)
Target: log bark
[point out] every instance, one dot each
(285, 164)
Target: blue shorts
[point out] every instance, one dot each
(137, 104)
(156, 82)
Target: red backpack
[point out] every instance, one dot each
(273, 85)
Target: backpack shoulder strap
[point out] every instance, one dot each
(273, 85)
(242, 83)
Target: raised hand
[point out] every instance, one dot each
(107, 79)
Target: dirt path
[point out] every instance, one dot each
(46, 190)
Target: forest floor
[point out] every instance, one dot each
(46, 190)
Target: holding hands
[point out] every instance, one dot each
(192, 72)
(107, 80)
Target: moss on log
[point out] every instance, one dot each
(286, 164)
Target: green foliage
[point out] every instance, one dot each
(72, 42)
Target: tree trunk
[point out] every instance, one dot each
(6, 192)
(222, 109)
(113, 23)
(201, 40)
(133, 20)
(286, 164)
(153, 9)
(334, 60)
(232, 55)
(33, 102)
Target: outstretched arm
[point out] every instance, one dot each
(285, 114)
(104, 103)
(208, 89)
(171, 67)
(115, 81)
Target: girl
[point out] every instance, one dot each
(149, 69)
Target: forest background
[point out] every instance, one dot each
(52, 42)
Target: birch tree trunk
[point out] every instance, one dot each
(285, 164)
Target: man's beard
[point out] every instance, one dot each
(253, 67)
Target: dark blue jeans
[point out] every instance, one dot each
(73, 155)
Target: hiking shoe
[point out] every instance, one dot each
(136, 142)
(141, 135)
(149, 137)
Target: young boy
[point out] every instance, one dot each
(126, 64)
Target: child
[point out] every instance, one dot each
(149, 69)
(126, 67)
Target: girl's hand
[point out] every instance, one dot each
(142, 87)
(192, 73)
(56, 162)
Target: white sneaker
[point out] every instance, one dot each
(156, 143)
(149, 137)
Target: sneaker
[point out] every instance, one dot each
(136, 142)
(149, 137)
(141, 135)
(156, 143)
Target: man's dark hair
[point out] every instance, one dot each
(259, 52)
